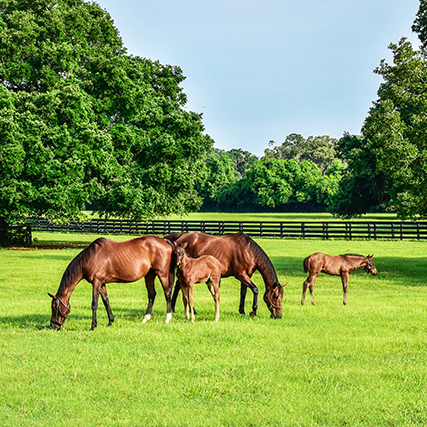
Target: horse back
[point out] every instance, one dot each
(329, 264)
(129, 260)
(198, 270)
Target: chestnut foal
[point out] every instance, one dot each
(197, 270)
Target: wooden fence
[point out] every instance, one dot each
(292, 229)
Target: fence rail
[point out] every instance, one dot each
(310, 229)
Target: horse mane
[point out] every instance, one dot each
(76, 265)
(262, 261)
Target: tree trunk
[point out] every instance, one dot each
(3, 231)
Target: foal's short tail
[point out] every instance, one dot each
(305, 265)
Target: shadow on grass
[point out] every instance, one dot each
(28, 321)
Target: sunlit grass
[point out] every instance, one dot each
(361, 365)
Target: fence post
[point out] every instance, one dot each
(303, 230)
(326, 230)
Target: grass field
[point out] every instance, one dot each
(364, 364)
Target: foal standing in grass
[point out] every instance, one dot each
(197, 270)
(341, 265)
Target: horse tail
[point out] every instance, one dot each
(75, 267)
(172, 264)
(305, 265)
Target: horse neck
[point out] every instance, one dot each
(359, 262)
(70, 279)
(267, 271)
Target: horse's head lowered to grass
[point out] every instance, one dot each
(60, 311)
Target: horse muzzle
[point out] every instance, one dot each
(276, 315)
(55, 325)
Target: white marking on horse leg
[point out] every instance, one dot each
(168, 317)
(146, 318)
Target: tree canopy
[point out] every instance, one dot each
(317, 149)
(81, 120)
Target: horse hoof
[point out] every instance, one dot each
(146, 318)
(168, 318)
(253, 314)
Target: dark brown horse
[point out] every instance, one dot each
(106, 261)
(240, 257)
(190, 271)
(341, 265)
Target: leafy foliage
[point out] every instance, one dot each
(361, 188)
(395, 130)
(80, 120)
(317, 149)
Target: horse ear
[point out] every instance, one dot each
(284, 285)
(52, 296)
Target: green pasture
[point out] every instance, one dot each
(364, 364)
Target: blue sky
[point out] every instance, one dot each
(260, 70)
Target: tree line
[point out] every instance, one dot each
(299, 175)
(81, 120)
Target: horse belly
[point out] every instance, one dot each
(121, 271)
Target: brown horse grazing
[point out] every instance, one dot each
(190, 271)
(240, 257)
(106, 261)
(341, 265)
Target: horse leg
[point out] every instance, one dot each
(304, 290)
(175, 295)
(245, 280)
(168, 291)
(243, 290)
(191, 301)
(149, 283)
(95, 298)
(344, 280)
(184, 290)
(214, 290)
(309, 283)
(104, 296)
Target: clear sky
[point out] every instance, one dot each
(260, 70)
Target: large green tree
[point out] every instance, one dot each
(317, 149)
(219, 173)
(361, 187)
(395, 129)
(81, 120)
(388, 163)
